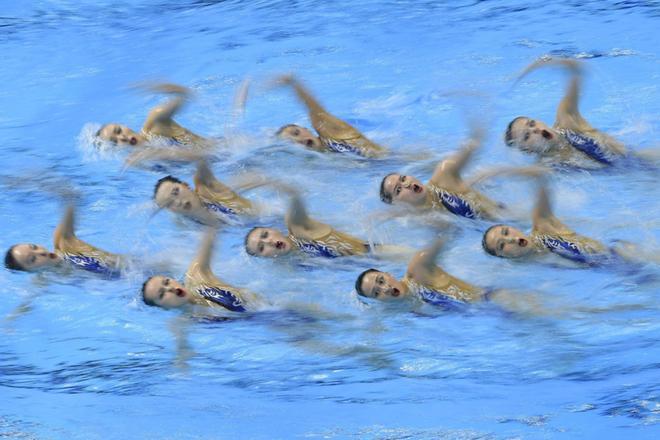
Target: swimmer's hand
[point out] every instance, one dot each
(164, 154)
(574, 66)
(528, 171)
(162, 87)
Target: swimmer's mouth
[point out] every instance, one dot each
(309, 143)
(280, 245)
(522, 242)
(133, 140)
(52, 256)
(546, 134)
(395, 292)
(180, 292)
(416, 188)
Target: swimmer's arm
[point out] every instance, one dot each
(542, 213)
(204, 177)
(202, 262)
(142, 155)
(65, 230)
(166, 111)
(313, 106)
(528, 171)
(297, 213)
(455, 164)
(426, 259)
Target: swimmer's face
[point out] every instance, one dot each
(178, 197)
(166, 292)
(383, 286)
(300, 135)
(121, 135)
(405, 189)
(267, 242)
(34, 257)
(531, 135)
(508, 242)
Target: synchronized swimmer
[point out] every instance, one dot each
(203, 204)
(333, 134)
(159, 123)
(70, 251)
(571, 140)
(200, 287)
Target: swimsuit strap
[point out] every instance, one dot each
(91, 264)
(588, 145)
(455, 203)
(571, 250)
(222, 297)
(440, 299)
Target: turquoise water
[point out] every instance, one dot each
(89, 360)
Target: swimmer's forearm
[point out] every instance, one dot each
(65, 229)
(529, 171)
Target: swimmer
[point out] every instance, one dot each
(425, 281)
(548, 235)
(305, 235)
(200, 288)
(446, 189)
(159, 123)
(210, 197)
(571, 140)
(333, 133)
(69, 251)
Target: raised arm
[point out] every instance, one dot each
(542, 210)
(425, 259)
(202, 261)
(65, 230)
(166, 111)
(457, 162)
(297, 213)
(204, 177)
(303, 94)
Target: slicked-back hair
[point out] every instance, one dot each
(508, 138)
(10, 260)
(358, 282)
(245, 242)
(387, 198)
(166, 179)
(146, 300)
(484, 243)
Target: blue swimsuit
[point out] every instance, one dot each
(222, 209)
(456, 204)
(222, 297)
(572, 251)
(92, 264)
(439, 299)
(340, 146)
(588, 146)
(316, 249)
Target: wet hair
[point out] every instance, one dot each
(284, 127)
(358, 282)
(166, 179)
(11, 262)
(484, 244)
(508, 137)
(249, 252)
(146, 300)
(387, 198)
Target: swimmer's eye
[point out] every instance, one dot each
(166, 282)
(397, 191)
(33, 247)
(505, 231)
(113, 140)
(33, 259)
(532, 123)
(175, 191)
(402, 178)
(260, 248)
(526, 138)
(500, 247)
(380, 280)
(162, 295)
(375, 294)
(264, 234)
(117, 130)
(296, 132)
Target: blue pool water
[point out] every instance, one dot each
(82, 357)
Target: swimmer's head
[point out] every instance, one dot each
(175, 195)
(529, 135)
(401, 188)
(267, 242)
(165, 292)
(506, 242)
(299, 135)
(120, 135)
(382, 286)
(30, 257)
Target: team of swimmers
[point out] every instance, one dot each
(570, 141)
